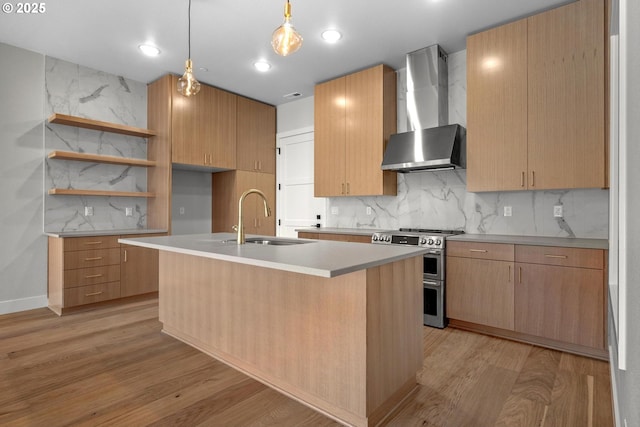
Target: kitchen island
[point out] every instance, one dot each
(334, 325)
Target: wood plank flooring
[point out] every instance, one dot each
(112, 366)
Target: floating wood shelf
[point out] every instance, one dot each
(81, 122)
(99, 158)
(74, 192)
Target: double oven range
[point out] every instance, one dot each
(433, 271)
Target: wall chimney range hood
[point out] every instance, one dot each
(431, 142)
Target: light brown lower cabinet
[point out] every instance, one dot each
(550, 296)
(338, 237)
(486, 299)
(88, 270)
(139, 271)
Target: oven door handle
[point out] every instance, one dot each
(430, 283)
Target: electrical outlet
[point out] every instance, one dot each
(507, 211)
(181, 210)
(334, 210)
(128, 211)
(557, 211)
(368, 210)
(88, 211)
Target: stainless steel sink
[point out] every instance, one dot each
(272, 242)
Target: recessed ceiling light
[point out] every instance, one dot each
(331, 36)
(149, 50)
(262, 66)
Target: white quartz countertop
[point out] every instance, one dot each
(316, 257)
(331, 230)
(90, 233)
(568, 242)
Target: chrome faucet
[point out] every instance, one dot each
(240, 227)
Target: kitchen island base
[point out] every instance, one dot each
(347, 346)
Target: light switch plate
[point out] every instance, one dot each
(557, 211)
(507, 211)
(334, 210)
(128, 211)
(88, 211)
(181, 210)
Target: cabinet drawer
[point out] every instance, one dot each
(93, 258)
(97, 242)
(90, 294)
(494, 251)
(91, 276)
(568, 257)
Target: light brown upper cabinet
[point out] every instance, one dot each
(354, 116)
(255, 136)
(227, 187)
(536, 102)
(203, 128)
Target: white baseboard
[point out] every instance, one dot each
(22, 304)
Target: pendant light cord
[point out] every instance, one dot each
(189, 37)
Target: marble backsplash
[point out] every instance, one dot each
(440, 199)
(80, 91)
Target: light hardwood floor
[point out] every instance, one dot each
(113, 366)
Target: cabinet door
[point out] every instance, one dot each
(220, 118)
(480, 291)
(368, 104)
(561, 303)
(204, 128)
(256, 136)
(189, 127)
(139, 270)
(497, 108)
(566, 70)
(329, 138)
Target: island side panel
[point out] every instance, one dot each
(394, 330)
(303, 335)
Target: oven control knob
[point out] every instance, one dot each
(438, 242)
(423, 241)
(430, 241)
(375, 238)
(387, 238)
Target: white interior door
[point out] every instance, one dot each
(297, 207)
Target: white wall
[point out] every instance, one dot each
(627, 383)
(23, 253)
(295, 115)
(191, 191)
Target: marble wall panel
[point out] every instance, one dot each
(440, 199)
(80, 91)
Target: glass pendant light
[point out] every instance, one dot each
(187, 84)
(285, 38)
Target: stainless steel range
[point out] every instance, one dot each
(433, 271)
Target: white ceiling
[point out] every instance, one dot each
(228, 36)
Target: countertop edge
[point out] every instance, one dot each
(91, 233)
(568, 242)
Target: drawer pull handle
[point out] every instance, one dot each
(555, 256)
(522, 179)
(520, 275)
(92, 276)
(95, 258)
(93, 294)
(478, 250)
(509, 278)
(99, 242)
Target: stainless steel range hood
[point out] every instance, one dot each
(431, 142)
